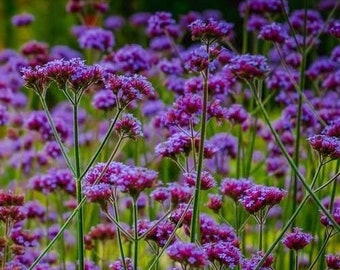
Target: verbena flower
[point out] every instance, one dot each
(158, 23)
(248, 66)
(235, 188)
(273, 32)
(223, 253)
(250, 264)
(22, 19)
(326, 146)
(215, 202)
(114, 22)
(161, 232)
(314, 21)
(210, 29)
(118, 265)
(333, 261)
(103, 100)
(128, 88)
(334, 29)
(100, 232)
(196, 60)
(129, 127)
(178, 143)
(335, 213)
(4, 115)
(256, 22)
(297, 239)
(97, 39)
(258, 197)
(187, 254)
(207, 180)
(132, 59)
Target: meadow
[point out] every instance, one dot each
(172, 141)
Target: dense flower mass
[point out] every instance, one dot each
(170, 140)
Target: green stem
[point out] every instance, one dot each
(80, 216)
(296, 260)
(135, 236)
(119, 234)
(194, 235)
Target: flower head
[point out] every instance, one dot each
(159, 23)
(210, 29)
(129, 127)
(273, 32)
(257, 197)
(235, 188)
(97, 39)
(22, 19)
(327, 146)
(248, 66)
(188, 254)
(297, 239)
(224, 253)
(333, 261)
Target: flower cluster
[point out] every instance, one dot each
(297, 239)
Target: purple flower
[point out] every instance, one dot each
(171, 67)
(129, 127)
(335, 214)
(140, 18)
(250, 264)
(161, 233)
(100, 232)
(22, 19)
(235, 188)
(196, 60)
(179, 193)
(224, 253)
(262, 6)
(128, 88)
(114, 22)
(103, 100)
(118, 265)
(132, 59)
(236, 114)
(178, 143)
(134, 180)
(326, 146)
(210, 30)
(248, 66)
(215, 202)
(297, 239)
(24, 238)
(4, 116)
(97, 39)
(320, 69)
(52, 149)
(273, 32)
(188, 254)
(99, 193)
(207, 180)
(34, 209)
(334, 29)
(333, 261)
(160, 194)
(159, 23)
(160, 43)
(257, 197)
(256, 22)
(314, 21)
(335, 54)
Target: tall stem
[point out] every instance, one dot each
(135, 236)
(119, 234)
(80, 217)
(196, 206)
